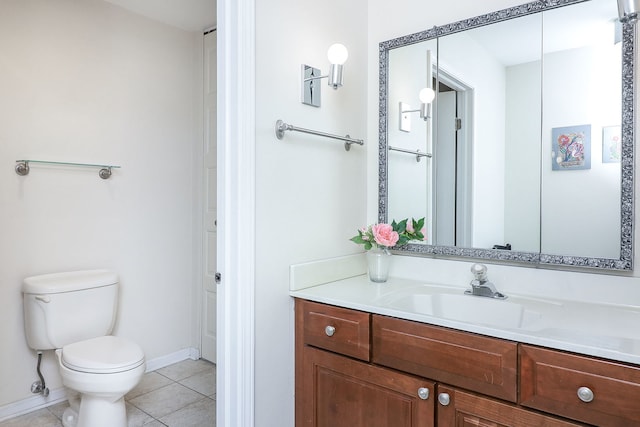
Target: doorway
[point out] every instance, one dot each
(452, 172)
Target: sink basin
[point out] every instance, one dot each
(467, 308)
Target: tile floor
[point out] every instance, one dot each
(179, 395)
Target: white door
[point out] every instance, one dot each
(445, 203)
(210, 207)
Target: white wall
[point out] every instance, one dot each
(595, 231)
(522, 157)
(88, 82)
(310, 192)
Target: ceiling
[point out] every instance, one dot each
(189, 15)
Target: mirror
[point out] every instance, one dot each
(526, 153)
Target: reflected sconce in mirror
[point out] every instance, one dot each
(426, 96)
(628, 10)
(337, 55)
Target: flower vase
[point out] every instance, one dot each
(378, 260)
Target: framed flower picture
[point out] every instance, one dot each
(571, 148)
(611, 144)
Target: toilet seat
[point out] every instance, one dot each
(102, 355)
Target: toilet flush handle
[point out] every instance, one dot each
(43, 298)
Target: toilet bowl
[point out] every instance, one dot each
(102, 370)
(73, 314)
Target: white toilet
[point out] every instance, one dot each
(74, 313)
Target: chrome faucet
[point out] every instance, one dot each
(481, 286)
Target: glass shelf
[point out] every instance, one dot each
(22, 166)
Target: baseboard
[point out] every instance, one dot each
(33, 403)
(170, 359)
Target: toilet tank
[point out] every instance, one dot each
(63, 308)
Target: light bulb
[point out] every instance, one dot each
(426, 95)
(337, 54)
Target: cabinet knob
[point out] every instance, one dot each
(585, 394)
(423, 393)
(330, 330)
(444, 399)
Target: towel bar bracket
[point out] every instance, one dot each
(22, 168)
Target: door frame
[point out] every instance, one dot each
(236, 205)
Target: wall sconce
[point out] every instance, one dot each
(426, 96)
(311, 90)
(628, 10)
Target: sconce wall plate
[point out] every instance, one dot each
(311, 90)
(405, 119)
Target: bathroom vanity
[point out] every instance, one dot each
(362, 360)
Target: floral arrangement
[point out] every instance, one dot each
(389, 235)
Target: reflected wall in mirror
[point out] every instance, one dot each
(529, 141)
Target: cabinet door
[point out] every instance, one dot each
(342, 392)
(460, 409)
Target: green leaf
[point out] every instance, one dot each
(367, 245)
(403, 240)
(400, 227)
(358, 239)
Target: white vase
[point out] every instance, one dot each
(378, 260)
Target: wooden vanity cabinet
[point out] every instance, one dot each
(355, 369)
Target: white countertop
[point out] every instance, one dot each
(603, 330)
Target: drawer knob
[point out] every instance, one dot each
(585, 394)
(330, 330)
(423, 393)
(444, 399)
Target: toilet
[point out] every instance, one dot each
(73, 314)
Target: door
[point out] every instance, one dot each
(446, 170)
(460, 409)
(342, 392)
(208, 338)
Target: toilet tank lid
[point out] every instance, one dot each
(68, 281)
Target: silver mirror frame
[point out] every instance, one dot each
(625, 262)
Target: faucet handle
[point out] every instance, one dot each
(479, 271)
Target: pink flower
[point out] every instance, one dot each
(384, 235)
(410, 226)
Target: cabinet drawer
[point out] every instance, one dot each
(482, 364)
(336, 329)
(551, 380)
